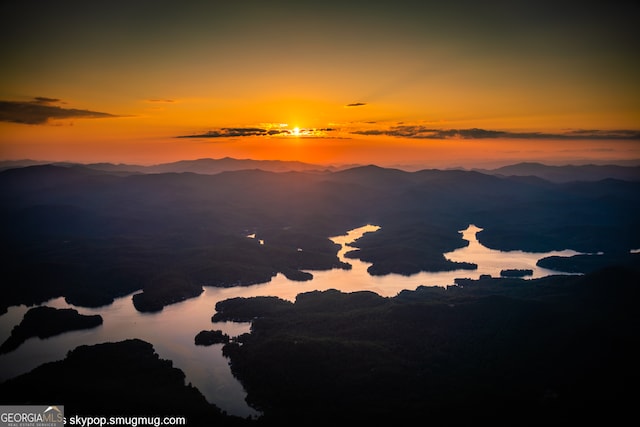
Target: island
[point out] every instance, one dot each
(514, 272)
(164, 290)
(402, 249)
(211, 337)
(45, 322)
(240, 309)
(586, 263)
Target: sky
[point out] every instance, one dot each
(432, 84)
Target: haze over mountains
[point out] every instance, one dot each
(209, 166)
(201, 166)
(568, 173)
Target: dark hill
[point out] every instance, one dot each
(214, 166)
(206, 166)
(374, 176)
(116, 379)
(569, 173)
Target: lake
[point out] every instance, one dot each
(172, 330)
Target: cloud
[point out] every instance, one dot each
(604, 134)
(423, 132)
(356, 104)
(237, 132)
(45, 100)
(39, 111)
(264, 132)
(161, 101)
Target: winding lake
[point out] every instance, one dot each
(172, 330)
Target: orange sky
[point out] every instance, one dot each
(398, 83)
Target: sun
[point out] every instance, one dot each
(295, 131)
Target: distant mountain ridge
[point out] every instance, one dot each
(204, 166)
(210, 166)
(568, 173)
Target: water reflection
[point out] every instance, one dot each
(172, 331)
(491, 261)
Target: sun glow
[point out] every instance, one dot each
(295, 131)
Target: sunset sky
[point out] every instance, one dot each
(455, 83)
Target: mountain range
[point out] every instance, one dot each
(568, 173)
(205, 166)
(208, 166)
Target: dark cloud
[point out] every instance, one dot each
(422, 132)
(40, 111)
(373, 132)
(356, 104)
(236, 132)
(45, 100)
(256, 131)
(162, 101)
(604, 134)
